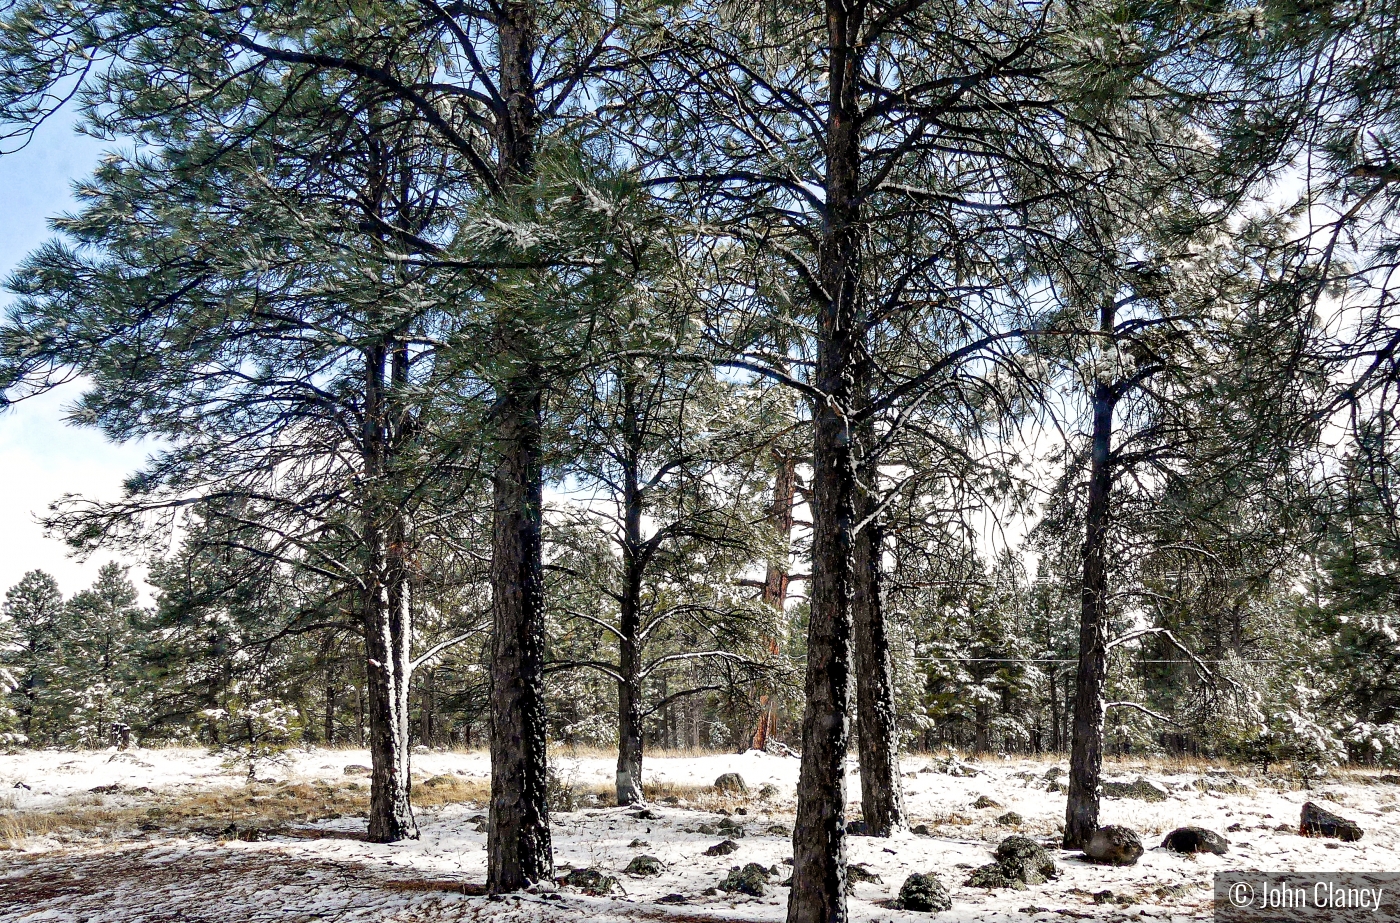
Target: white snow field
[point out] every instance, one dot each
(175, 836)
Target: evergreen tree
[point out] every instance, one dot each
(33, 611)
(101, 657)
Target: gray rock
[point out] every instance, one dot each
(723, 848)
(1114, 845)
(992, 875)
(1140, 789)
(727, 826)
(1318, 821)
(1020, 861)
(924, 893)
(752, 879)
(645, 865)
(1196, 839)
(590, 881)
(862, 875)
(732, 782)
(1026, 860)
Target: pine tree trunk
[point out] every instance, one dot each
(1086, 754)
(386, 625)
(517, 842)
(629, 691)
(775, 582)
(819, 836)
(629, 732)
(882, 796)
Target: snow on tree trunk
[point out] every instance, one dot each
(387, 626)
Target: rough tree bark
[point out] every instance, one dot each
(819, 836)
(629, 687)
(881, 795)
(518, 842)
(518, 849)
(776, 580)
(1086, 749)
(386, 624)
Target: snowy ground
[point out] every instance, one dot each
(173, 835)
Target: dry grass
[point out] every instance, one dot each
(257, 806)
(442, 790)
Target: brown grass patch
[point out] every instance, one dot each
(256, 806)
(445, 789)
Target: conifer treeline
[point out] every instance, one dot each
(670, 373)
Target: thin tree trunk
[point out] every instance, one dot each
(1086, 755)
(518, 843)
(629, 688)
(386, 626)
(775, 581)
(882, 796)
(819, 836)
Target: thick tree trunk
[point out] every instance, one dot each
(518, 842)
(518, 850)
(1086, 754)
(881, 795)
(386, 624)
(819, 836)
(629, 731)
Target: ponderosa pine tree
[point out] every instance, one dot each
(33, 612)
(665, 452)
(102, 655)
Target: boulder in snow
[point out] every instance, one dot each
(859, 874)
(723, 848)
(590, 881)
(1196, 839)
(924, 893)
(1318, 821)
(645, 865)
(1140, 789)
(1020, 861)
(752, 879)
(1114, 845)
(732, 782)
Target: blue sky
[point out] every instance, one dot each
(42, 458)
